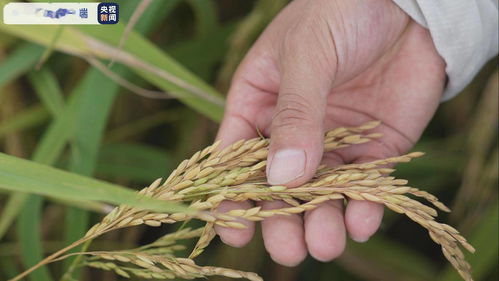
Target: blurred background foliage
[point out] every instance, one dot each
(63, 103)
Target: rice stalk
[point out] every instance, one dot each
(159, 266)
(237, 173)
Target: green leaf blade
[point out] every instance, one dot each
(26, 176)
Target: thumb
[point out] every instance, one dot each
(297, 129)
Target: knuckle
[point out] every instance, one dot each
(294, 112)
(309, 45)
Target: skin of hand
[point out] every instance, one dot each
(321, 64)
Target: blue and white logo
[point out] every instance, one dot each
(108, 13)
(61, 13)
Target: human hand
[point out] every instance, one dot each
(322, 64)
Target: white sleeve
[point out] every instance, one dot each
(465, 34)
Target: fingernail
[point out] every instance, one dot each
(359, 239)
(286, 165)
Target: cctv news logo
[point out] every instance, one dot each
(61, 13)
(108, 13)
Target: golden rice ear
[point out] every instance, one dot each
(237, 173)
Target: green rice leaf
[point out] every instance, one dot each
(29, 117)
(47, 88)
(29, 221)
(22, 175)
(21, 60)
(138, 53)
